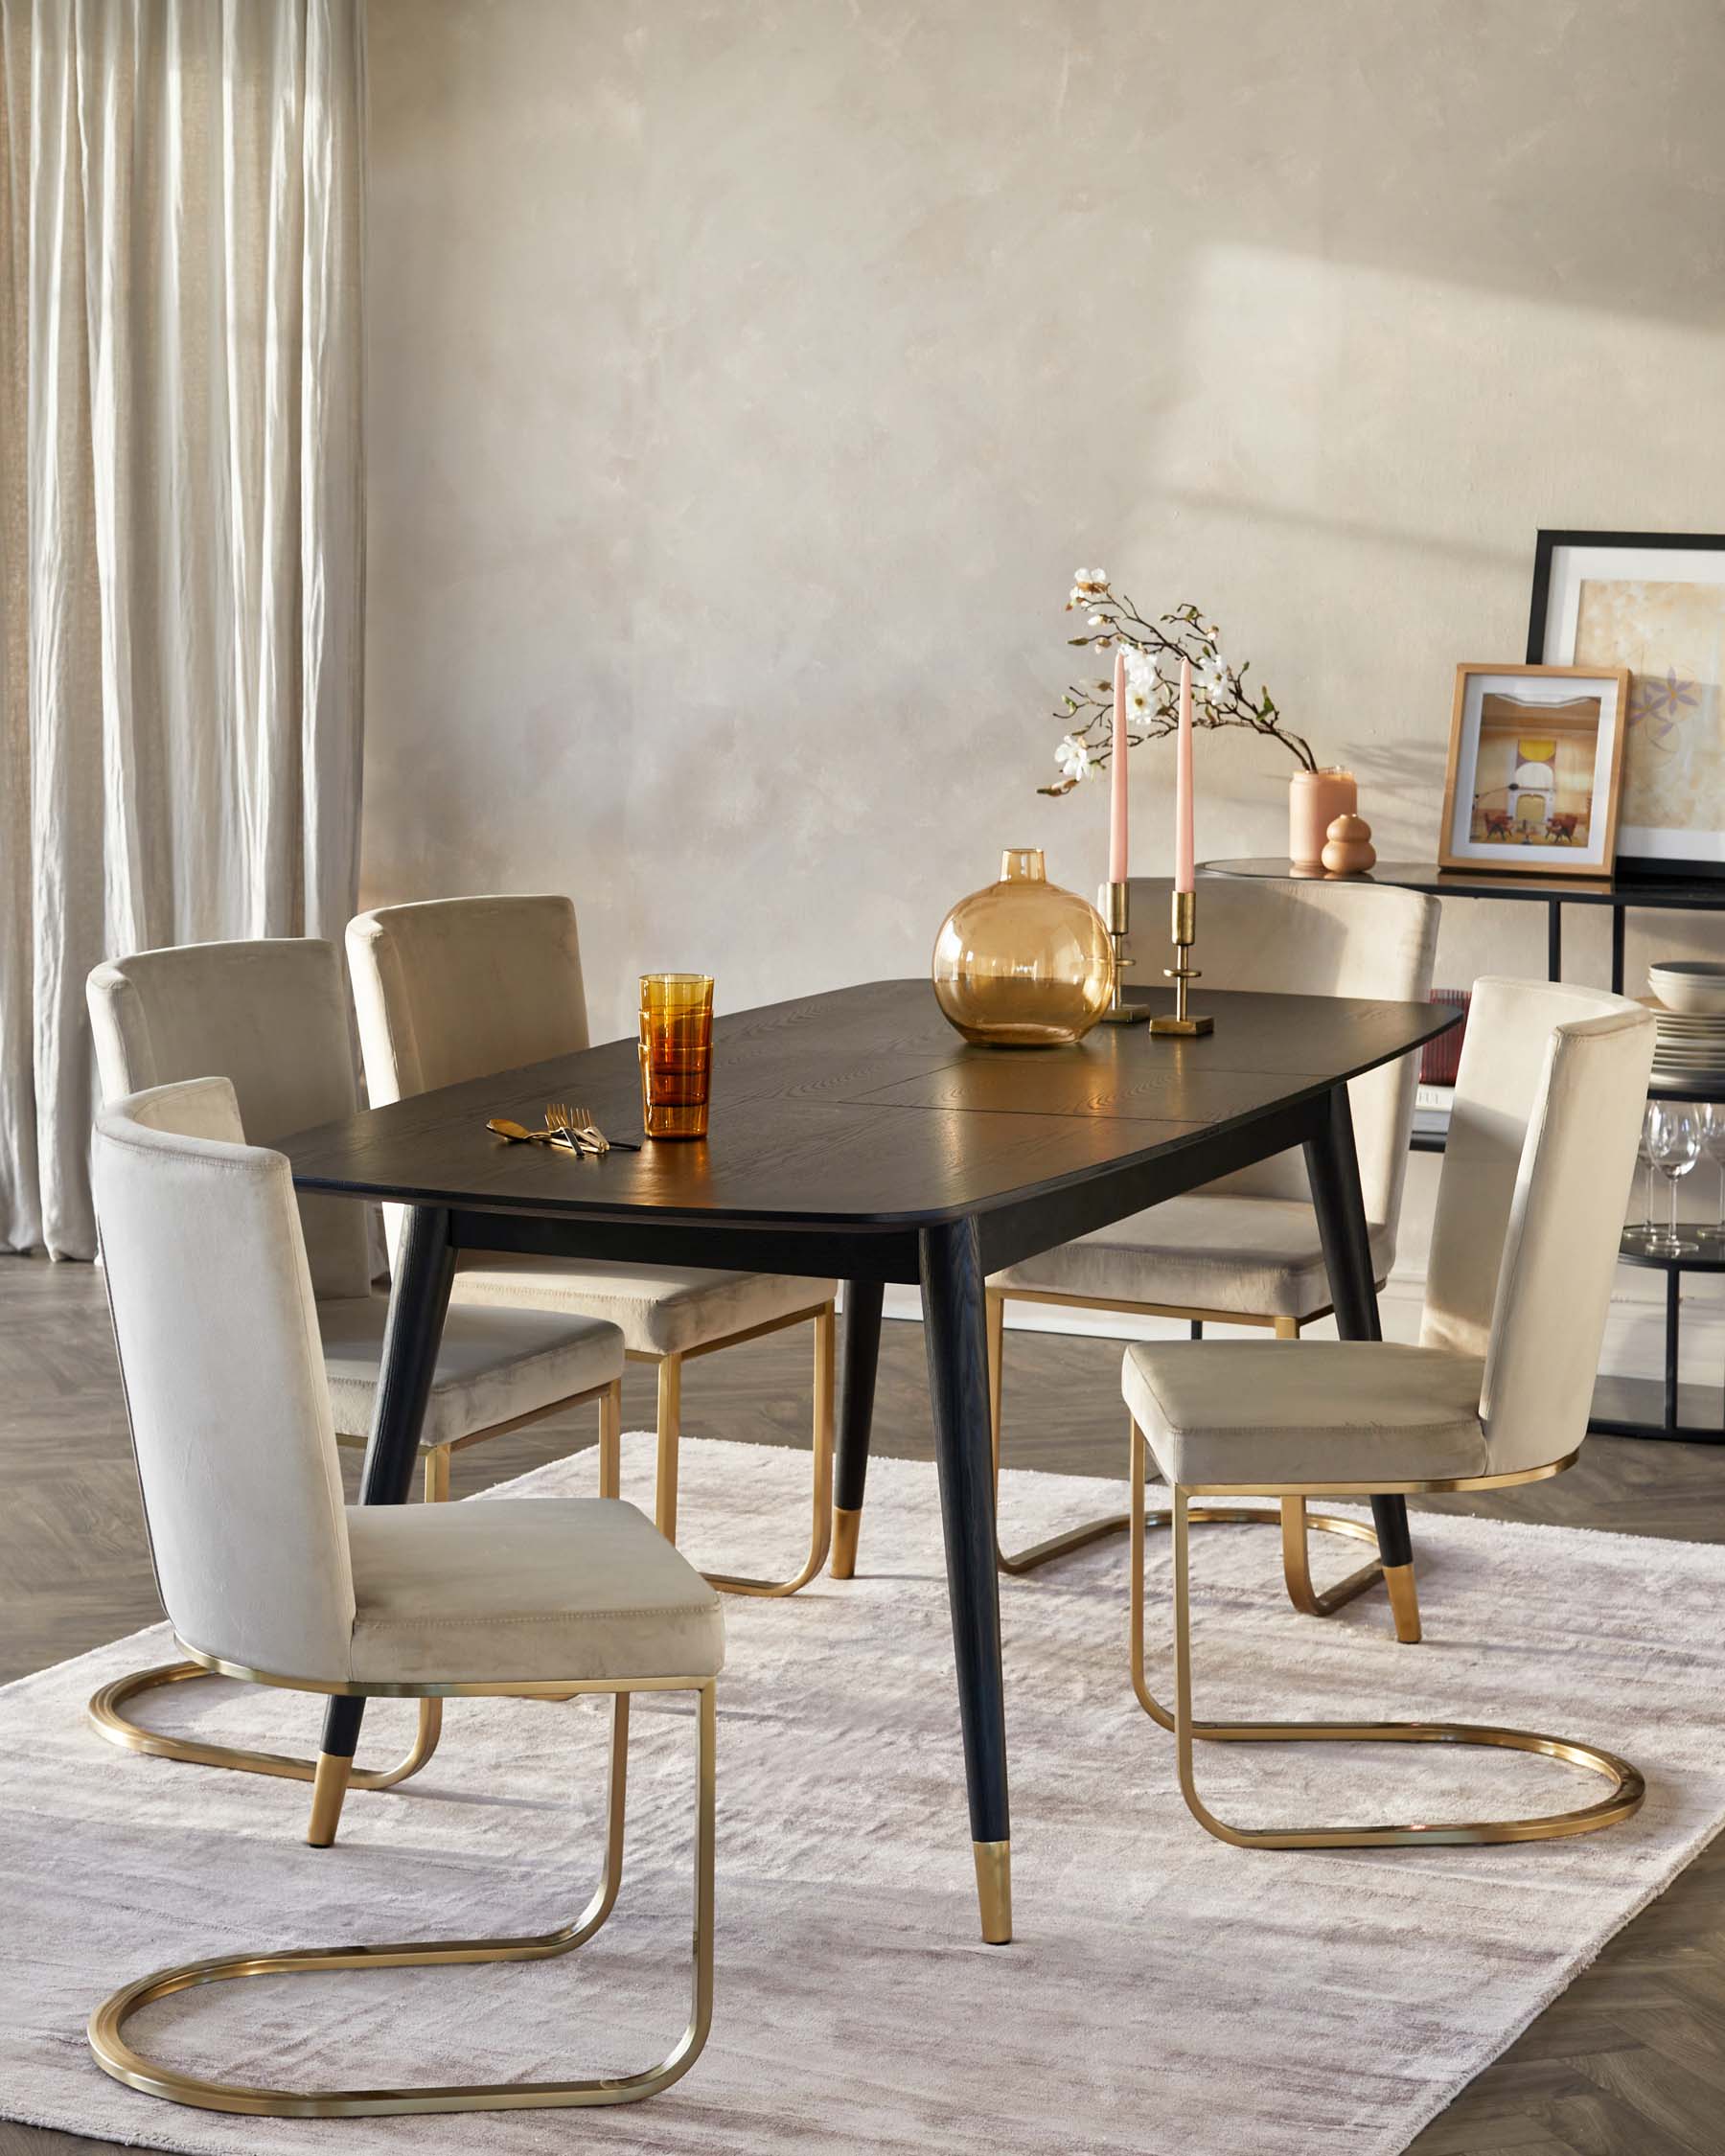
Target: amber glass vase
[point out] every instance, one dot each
(676, 1054)
(1022, 964)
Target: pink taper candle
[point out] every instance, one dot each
(1117, 816)
(1183, 785)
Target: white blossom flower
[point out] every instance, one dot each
(1072, 757)
(1214, 679)
(1088, 586)
(1141, 677)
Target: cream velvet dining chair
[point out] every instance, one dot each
(452, 989)
(1245, 1251)
(272, 1018)
(1536, 1171)
(267, 1577)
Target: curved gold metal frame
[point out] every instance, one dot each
(107, 1719)
(670, 1433)
(117, 2057)
(1628, 1789)
(1291, 1517)
(105, 1709)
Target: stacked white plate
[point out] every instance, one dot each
(1690, 1045)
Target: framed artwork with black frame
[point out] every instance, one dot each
(1652, 601)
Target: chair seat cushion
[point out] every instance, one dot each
(491, 1364)
(660, 1310)
(526, 1588)
(1206, 1250)
(1313, 1411)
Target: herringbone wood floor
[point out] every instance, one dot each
(1629, 2062)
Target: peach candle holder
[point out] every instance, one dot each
(1314, 800)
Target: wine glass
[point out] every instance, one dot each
(1713, 1144)
(1644, 1232)
(1675, 1142)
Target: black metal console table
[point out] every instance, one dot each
(1622, 894)
(1694, 1256)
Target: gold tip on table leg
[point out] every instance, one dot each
(1404, 1603)
(846, 1526)
(994, 1890)
(328, 1790)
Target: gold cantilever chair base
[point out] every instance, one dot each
(1627, 1787)
(670, 1431)
(105, 1710)
(106, 1719)
(117, 2056)
(1291, 1517)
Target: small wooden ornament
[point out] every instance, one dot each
(1348, 850)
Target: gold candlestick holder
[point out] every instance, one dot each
(1181, 973)
(1114, 903)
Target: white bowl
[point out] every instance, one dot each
(1695, 985)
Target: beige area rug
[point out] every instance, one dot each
(1165, 1995)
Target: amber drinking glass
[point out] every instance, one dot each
(677, 1053)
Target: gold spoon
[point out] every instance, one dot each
(518, 1133)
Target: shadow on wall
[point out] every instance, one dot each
(1359, 531)
(1408, 776)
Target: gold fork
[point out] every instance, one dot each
(579, 1126)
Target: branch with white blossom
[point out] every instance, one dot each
(1153, 650)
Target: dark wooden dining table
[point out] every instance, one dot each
(855, 1135)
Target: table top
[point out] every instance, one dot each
(1703, 894)
(864, 1106)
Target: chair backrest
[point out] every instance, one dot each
(224, 1381)
(451, 989)
(272, 1019)
(1366, 940)
(1536, 1172)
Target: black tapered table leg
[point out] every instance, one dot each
(419, 1298)
(856, 1418)
(1333, 1171)
(1619, 920)
(954, 1332)
(1555, 939)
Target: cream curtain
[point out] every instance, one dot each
(181, 513)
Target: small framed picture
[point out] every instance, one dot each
(1655, 603)
(1535, 763)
